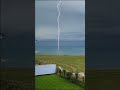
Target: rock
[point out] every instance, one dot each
(81, 76)
(60, 68)
(73, 75)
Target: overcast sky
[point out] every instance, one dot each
(72, 20)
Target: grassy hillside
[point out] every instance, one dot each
(71, 63)
(53, 82)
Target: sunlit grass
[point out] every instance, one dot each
(54, 82)
(71, 63)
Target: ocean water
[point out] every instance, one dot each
(49, 47)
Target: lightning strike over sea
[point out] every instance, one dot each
(58, 21)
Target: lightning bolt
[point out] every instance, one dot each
(58, 21)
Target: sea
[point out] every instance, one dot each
(49, 47)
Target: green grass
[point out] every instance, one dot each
(71, 63)
(54, 82)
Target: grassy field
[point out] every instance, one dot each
(71, 63)
(54, 82)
